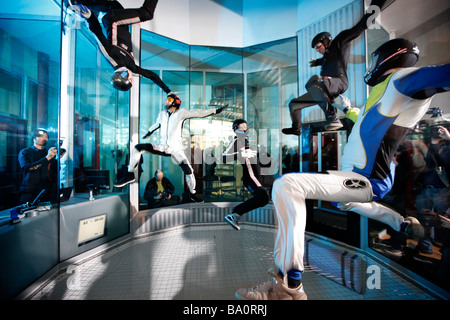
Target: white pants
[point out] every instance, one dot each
(353, 192)
(177, 155)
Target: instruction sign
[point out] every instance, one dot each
(91, 228)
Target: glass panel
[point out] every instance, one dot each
(100, 120)
(271, 71)
(170, 60)
(420, 187)
(95, 131)
(218, 81)
(214, 77)
(29, 99)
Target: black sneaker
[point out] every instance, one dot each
(195, 198)
(333, 123)
(128, 178)
(292, 131)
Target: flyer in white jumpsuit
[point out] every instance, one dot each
(171, 144)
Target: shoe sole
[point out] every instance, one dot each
(124, 184)
(292, 134)
(333, 128)
(197, 201)
(302, 297)
(235, 227)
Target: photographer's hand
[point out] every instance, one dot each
(444, 132)
(52, 152)
(445, 221)
(148, 134)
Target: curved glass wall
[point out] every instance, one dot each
(214, 76)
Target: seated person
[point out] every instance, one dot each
(159, 191)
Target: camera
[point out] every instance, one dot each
(62, 151)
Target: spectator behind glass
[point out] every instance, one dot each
(159, 191)
(39, 169)
(435, 188)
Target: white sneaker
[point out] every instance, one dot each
(273, 289)
(414, 228)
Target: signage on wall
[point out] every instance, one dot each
(91, 228)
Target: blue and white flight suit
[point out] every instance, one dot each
(392, 109)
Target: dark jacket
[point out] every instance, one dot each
(38, 172)
(334, 61)
(151, 188)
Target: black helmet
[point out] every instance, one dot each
(120, 79)
(396, 53)
(175, 100)
(324, 37)
(237, 123)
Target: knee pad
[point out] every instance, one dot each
(144, 147)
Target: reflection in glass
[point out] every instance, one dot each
(29, 99)
(214, 76)
(29, 87)
(100, 138)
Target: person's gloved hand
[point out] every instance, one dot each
(342, 103)
(82, 10)
(220, 109)
(148, 134)
(248, 153)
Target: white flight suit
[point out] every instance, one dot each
(171, 129)
(367, 171)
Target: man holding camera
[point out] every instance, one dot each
(39, 169)
(159, 191)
